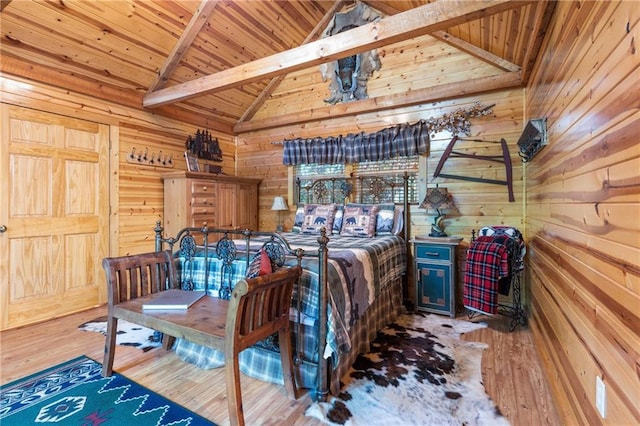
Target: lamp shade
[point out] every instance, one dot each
(279, 203)
(436, 199)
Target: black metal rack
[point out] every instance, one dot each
(515, 311)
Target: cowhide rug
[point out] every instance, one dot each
(419, 373)
(129, 334)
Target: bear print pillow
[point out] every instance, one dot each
(318, 216)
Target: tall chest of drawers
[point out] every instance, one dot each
(192, 198)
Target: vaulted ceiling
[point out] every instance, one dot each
(221, 61)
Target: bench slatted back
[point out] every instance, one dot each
(130, 277)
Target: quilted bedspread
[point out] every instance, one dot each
(358, 270)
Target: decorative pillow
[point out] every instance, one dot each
(299, 218)
(318, 216)
(398, 221)
(359, 220)
(337, 220)
(385, 219)
(259, 265)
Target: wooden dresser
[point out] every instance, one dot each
(192, 198)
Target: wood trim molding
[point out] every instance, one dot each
(16, 67)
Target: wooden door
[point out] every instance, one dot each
(227, 205)
(247, 206)
(54, 210)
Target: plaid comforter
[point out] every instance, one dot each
(487, 262)
(359, 269)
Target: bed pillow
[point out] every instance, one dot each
(398, 221)
(298, 219)
(385, 219)
(337, 220)
(259, 265)
(359, 220)
(318, 216)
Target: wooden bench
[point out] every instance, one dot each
(258, 308)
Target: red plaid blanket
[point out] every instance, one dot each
(487, 262)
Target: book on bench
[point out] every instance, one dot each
(173, 299)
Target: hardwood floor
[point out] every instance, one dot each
(510, 367)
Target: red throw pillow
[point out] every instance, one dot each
(265, 263)
(260, 265)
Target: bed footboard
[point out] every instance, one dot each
(231, 251)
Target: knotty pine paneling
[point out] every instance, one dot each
(422, 62)
(477, 204)
(582, 210)
(137, 191)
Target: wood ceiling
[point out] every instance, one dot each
(221, 61)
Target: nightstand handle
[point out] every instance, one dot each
(432, 253)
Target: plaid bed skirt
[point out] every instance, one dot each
(263, 360)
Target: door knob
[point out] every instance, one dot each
(3, 229)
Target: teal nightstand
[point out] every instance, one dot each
(435, 266)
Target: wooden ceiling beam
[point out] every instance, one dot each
(422, 20)
(198, 20)
(275, 82)
(413, 97)
(476, 51)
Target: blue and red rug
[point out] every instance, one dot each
(75, 393)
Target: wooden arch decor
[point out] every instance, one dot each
(349, 76)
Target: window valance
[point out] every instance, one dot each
(402, 140)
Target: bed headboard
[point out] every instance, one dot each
(363, 189)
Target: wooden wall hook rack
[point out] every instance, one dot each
(150, 159)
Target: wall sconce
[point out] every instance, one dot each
(533, 138)
(437, 199)
(279, 205)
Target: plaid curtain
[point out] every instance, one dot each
(403, 140)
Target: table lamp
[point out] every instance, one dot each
(279, 205)
(437, 199)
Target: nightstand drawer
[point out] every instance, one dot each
(434, 252)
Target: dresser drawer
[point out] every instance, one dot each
(203, 200)
(198, 219)
(431, 251)
(203, 211)
(203, 187)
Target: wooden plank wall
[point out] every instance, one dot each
(477, 204)
(136, 190)
(583, 210)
